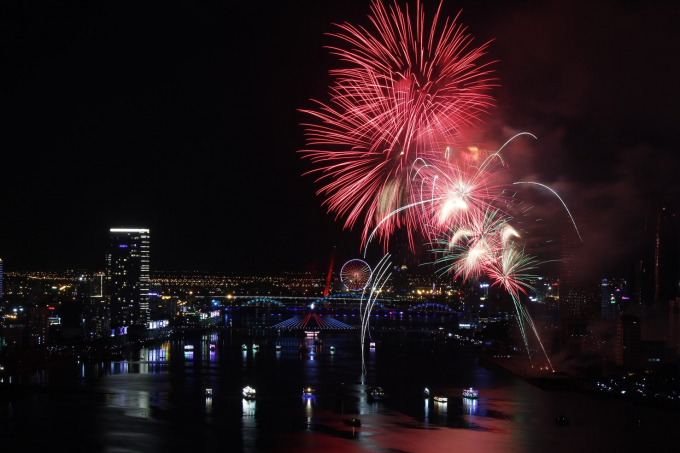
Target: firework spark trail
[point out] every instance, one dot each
(376, 283)
(533, 327)
(409, 87)
(464, 193)
(486, 247)
(559, 198)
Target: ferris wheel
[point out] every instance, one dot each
(355, 274)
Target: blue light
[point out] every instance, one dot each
(122, 246)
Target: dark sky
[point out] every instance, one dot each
(184, 119)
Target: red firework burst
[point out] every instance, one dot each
(409, 88)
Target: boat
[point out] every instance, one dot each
(308, 391)
(470, 393)
(212, 347)
(256, 346)
(332, 348)
(208, 392)
(352, 422)
(244, 347)
(375, 393)
(371, 345)
(426, 392)
(278, 347)
(249, 392)
(188, 347)
(441, 398)
(561, 420)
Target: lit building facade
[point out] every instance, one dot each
(628, 341)
(674, 325)
(0, 278)
(95, 308)
(579, 289)
(39, 324)
(657, 274)
(127, 276)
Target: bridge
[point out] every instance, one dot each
(431, 307)
(264, 302)
(336, 300)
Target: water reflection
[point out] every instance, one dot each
(249, 423)
(441, 410)
(249, 407)
(512, 417)
(470, 406)
(309, 403)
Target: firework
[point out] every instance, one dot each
(374, 287)
(408, 88)
(486, 246)
(453, 189)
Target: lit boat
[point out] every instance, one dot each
(244, 347)
(188, 347)
(375, 393)
(308, 391)
(332, 348)
(249, 392)
(256, 347)
(470, 393)
(352, 422)
(212, 347)
(371, 345)
(426, 392)
(441, 399)
(208, 392)
(278, 347)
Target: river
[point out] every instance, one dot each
(156, 401)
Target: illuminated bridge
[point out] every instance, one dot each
(431, 307)
(263, 302)
(348, 300)
(312, 321)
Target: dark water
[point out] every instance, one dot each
(156, 402)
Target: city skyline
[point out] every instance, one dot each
(193, 131)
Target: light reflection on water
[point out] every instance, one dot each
(470, 406)
(441, 410)
(164, 387)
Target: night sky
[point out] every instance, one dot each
(184, 119)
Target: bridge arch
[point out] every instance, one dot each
(432, 307)
(263, 301)
(344, 297)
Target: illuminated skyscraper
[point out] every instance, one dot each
(128, 276)
(579, 301)
(658, 272)
(628, 341)
(0, 278)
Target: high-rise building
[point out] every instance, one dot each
(39, 324)
(579, 288)
(95, 310)
(628, 341)
(674, 325)
(0, 278)
(128, 276)
(658, 272)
